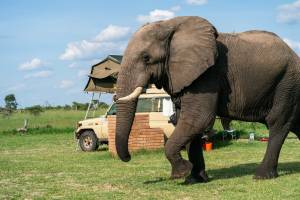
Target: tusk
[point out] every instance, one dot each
(135, 94)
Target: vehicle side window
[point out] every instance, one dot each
(144, 105)
(150, 104)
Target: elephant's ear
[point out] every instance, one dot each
(192, 50)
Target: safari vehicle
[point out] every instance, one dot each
(93, 132)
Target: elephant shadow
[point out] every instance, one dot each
(240, 170)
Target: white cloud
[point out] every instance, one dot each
(112, 32)
(32, 64)
(293, 44)
(72, 51)
(156, 15)
(65, 84)
(109, 40)
(289, 13)
(40, 74)
(196, 2)
(83, 72)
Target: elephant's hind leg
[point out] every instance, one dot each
(268, 168)
(279, 122)
(296, 123)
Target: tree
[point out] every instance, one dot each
(10, 102)
(103, 105)
(79, 106)
(67, 107)
(10, 105)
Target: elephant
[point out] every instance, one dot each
(250, 76)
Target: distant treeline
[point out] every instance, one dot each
(37, 109)
(11, 106)
(77, 106)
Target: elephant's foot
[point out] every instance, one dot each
(196, 178)
(181, 169)
(265, 173)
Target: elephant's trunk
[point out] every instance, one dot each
(129, 87)
(125, 117)
(127, 97)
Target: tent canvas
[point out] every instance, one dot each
(103, 76)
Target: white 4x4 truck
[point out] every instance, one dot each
(157, 103)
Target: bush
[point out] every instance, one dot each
(67, 107)
(35, 110)
(6, 113)
(40, 130)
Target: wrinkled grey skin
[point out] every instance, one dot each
(250, 76)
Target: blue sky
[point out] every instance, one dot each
(48, 47)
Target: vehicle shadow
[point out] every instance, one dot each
(103, 148)
(239, 171)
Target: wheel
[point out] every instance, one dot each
(88, 141)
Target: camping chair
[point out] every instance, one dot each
(230, 132)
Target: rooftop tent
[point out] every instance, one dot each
(103, 75)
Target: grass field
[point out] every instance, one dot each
(46, 165)
(68, 118)
(53, 118)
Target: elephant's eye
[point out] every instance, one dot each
(146, 57)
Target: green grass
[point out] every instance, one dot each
(68, 119)
(44, 164)
(53, 118)
(48, 166)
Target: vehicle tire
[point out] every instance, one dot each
(88, 141)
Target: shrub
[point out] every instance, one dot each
(35, 110)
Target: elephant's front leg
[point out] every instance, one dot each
(195, 153)
(197, 113)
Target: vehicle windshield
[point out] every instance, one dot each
(154, 104)
(112, 110)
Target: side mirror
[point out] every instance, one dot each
(173, 119)
(114, 98)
